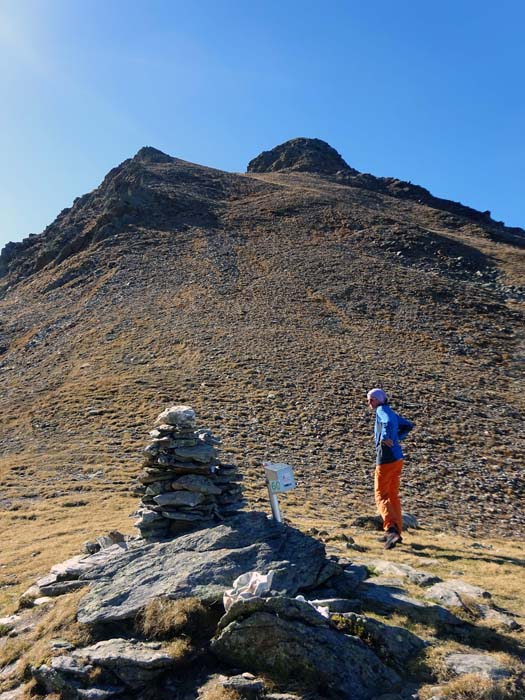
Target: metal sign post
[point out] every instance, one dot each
(279, 478)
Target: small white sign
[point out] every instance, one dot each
(279, 476)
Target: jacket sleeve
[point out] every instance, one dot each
(404, 427)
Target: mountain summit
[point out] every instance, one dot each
(301, 155)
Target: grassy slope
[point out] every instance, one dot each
(272, 326)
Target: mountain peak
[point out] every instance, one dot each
(302, 155)
(148, 154)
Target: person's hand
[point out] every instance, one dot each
(388, 442)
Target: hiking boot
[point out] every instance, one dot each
(392, 538)
(384, 537)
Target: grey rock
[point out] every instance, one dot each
(134, 663)
(188, 517)
(203, 564)
(481, 664)
(149, 517)
(383, 595)
(394, 645)
(157, 487)
(195, 482)
(498, 618)
(247, 688)
(390, 568)
(8, 671)
(28, 597)
(202, 453)
(73, 568)
(57, 644)
(50, 586)
(289, 608)
(179, 498)
(451, 593)
(54, 682)
(179, 467)
(112, 538)
(410, 522)
(343, 584)
(70, 666)
(43, 600)
(179, 416)
(9, 622)
(293, 648)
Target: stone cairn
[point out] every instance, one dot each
(183, 485)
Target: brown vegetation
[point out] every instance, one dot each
(270, 303)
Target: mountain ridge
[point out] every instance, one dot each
(271, 302)
(132, 193)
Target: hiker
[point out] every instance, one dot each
(389, 429)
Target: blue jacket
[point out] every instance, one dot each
(389, 425)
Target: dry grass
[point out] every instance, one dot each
(475, 687)
(213, 690)
(180, 650)
(34, 648)
(163, 618)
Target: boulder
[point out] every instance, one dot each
(343, 584)
(387, 596)
(483, 665)
(404, 571)
(134, 663)
(203, 564)
(299, 644)
(452, 592)
(455, 593)
(394, 645)
(247, 688)
(55, 682)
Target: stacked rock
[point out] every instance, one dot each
(183, 484)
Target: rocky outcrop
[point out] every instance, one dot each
(299, 644)
(203, 564)
(459, 595)
(394, 645)
(301, 155)
(334, 648)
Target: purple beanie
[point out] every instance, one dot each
(378, 394)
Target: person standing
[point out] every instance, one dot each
(389, 429)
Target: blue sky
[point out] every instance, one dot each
(431, 92)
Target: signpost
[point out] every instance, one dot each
(279, 479)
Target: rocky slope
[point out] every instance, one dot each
(270, 301)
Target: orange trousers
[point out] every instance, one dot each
(386, 491)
